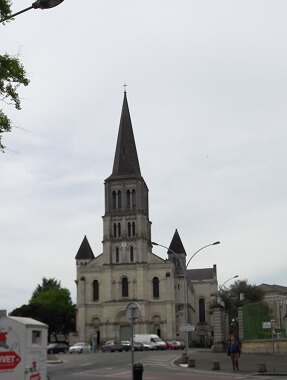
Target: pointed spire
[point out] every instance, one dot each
(126, 159)
(85, 251)
(176, 244)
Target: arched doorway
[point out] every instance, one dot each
(156, 325)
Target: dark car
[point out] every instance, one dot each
(126, 345)
(55, 348)
(138, 346)
(112, 346)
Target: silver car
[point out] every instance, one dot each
(80, 347)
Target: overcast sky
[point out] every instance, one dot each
(207, 92)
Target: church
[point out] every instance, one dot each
(127, 270)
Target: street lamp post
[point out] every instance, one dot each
(231, 278)
(38, 4)
(184, 268)
(208, 245)
(219, 300)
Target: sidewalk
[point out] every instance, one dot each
(204, 359)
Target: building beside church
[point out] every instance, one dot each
(127, 269)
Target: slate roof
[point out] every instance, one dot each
(267, 288)
(201, 274)
(126, 159)
(176, 244)
(85, 251)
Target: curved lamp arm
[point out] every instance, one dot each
(38, 4)
(231, 278)
(208, 245)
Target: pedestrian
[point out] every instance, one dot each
(233, 350)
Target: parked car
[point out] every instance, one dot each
(179, 345)
(170, 345)
(55, 348)
(112, 346)
(150, 338)
(149, 346)
(138, 346)
(80, 347)
(126, 345)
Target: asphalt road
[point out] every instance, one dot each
(157, 365)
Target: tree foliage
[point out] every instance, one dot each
(231, 295)
(232, 299)
(51, 304)
(12, 75)
(47, 284)
(5, 9)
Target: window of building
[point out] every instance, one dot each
(131, 254)
(125, 287)
(117, 255)
(128, 199)
(201, 307)
(155, 287)
(133, 198)
(117, 230)
(95, 290)
(119, 199)
(133, 229)
(114, 196)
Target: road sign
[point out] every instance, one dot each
(186, 327)
(133, 312)
(266, 325)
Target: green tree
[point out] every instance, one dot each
(232, 300)
(51, 304)
(12, 75)
(47, 284)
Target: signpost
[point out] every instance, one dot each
(187, 327)
(271, 325)
(133, 313)
(266, 325)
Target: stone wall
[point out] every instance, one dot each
(264, 346)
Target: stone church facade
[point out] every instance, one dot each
(127, 270)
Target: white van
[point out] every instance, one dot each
(150, 339)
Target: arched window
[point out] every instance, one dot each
(155, 287)
(133, 198)
(128, 199)
(119, 199)
(201, 308)
(131, 254)
(114, 200)
(125, 287)
(133, 229)
(117, 230)
(129, 229)
(117, 255)
(95, 290)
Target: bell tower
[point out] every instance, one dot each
(127, 229)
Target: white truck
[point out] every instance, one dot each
(151, 339)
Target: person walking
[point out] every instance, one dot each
(233, 350)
